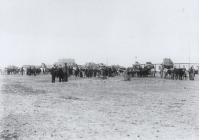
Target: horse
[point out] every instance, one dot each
(179, 73)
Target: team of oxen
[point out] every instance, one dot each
(63, 70)
(30, 70)
(169, 70)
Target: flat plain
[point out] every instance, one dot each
(33, 108)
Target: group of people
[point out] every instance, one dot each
(62, 72)
(31, 71)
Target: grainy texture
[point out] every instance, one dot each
(32, 108)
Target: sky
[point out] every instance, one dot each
(108, 31)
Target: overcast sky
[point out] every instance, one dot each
(108, 31)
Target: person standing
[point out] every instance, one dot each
(60, 73)
(191, 73)
(34, 71)
(22, 71)
(52, 72)
(66, 73)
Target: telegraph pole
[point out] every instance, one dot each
(189, 53)
(135, 58)
(107, 61)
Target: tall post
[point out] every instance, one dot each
(107, 61)
(189, 53)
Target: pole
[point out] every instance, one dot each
(189, 53)
(107, 61)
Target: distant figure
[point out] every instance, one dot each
(191, 73)
(60, 74)
(34, 71)
(53, 73)
(127, 75)
(22, 71)
(65, 73)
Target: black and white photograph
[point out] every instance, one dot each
(99, 69)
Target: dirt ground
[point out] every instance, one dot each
(33, 108)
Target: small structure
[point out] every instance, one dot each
(69, 61)
(167, 63)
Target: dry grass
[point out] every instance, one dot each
(112, 109)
